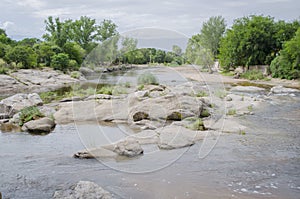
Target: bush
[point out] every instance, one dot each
(29, 113)
(231, 112)
(60, 61)
(3, 70)
(197, 125)
(75, 74)
(253, 75)
(147, 79)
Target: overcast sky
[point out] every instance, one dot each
(25, 18)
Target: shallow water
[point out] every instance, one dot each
(263, 163)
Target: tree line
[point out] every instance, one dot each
(66, 44)
(252, 40)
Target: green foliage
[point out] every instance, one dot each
(22, 54)
(140, 87)
(29, 113)
(205, 113)
(60, 61)
(201, 94)
(253, 40)
(197, 125)
(108, 90)
(107, 29)
(211, 34)
(253, 75)
(287, 64)
(147, 79)
(74, 51)
(221, 93)
(45, 51)
(75, 74)
(231, 112)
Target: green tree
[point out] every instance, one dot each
(60, 61)
(29, 42)
(75, 51)
(211, 34)
(287, 64)
(22, 54)
(251, 41)
(45, 51)
(176, 50)
(84, 32)
(107, 29)
(57, 31)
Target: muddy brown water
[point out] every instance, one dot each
(263, 163)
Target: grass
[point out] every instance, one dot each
(140, 87)
(201, 94)
(250, 108)
(231, 112)
(221, 94)
(197, 125)
(227, 73)
(205, 113)
(75, 74)
(253, 75)
(147, 79)
(29, 113)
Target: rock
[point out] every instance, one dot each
(71, 99)
(228, 98)
(174, 136)
(129, 148)
(3, 116)
(283, 90)
(42, 125)
(145, 137)
(83, 190)
(100, 152)
(141, 94)
(247, 89)
(86, 71)
(15, 103)
(138, 116)
(10, 86)
(227, 125)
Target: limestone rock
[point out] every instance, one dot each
(174, 136)
(42, 125)
(129, 148)
(83, 190)
(283, 90)
(15, 103)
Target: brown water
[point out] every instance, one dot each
(264, 163)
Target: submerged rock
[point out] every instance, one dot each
(42, 125)
(83, 190)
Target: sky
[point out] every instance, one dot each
(25, 18)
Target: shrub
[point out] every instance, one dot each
(147, 78)
(253, 75)
(201, 94)
(231, 112)
(197, 125)
(75, 74)
(29, 113)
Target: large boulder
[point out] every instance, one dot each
(15, 103)
(42, 125)
(10, 86)
(129, 148)
(83, 190)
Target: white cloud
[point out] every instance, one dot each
(35, 4)
(5, 25)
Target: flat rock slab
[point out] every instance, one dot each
(247, 89)
(174, 136)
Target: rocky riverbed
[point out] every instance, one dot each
(157, 119)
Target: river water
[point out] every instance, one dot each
(264, 163)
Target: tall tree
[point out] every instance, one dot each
(177, 50)
(57, 31)
(107, 29)
(211, 34)
(84, 32)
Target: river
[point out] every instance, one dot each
(263, 163)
